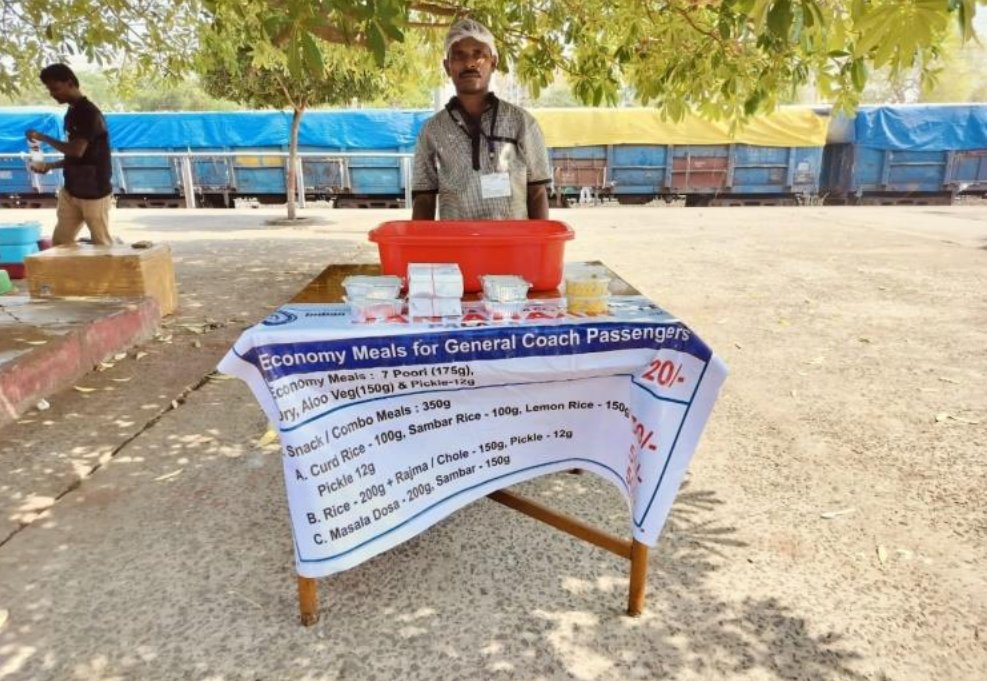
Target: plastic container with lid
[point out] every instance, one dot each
(532, 249)
(443, 280)
(15, 253)
(588, 304)
(19, 233)
(384, 287)
(590, 280)
(504, 287)
(370, 309)
(427, 306)
(503, 310)
(37, 156)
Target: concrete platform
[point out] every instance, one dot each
(47, 344)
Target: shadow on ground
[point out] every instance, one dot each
(176, 560)
(176, 563)
(212, 222)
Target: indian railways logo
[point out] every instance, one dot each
(280, 318)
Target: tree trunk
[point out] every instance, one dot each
(296, 121)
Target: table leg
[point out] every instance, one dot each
(308, 600)
(639, 571)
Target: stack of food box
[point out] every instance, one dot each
(504, 295)
(373, 297)
(434, 290)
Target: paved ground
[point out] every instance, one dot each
(47, 344)
(832, 527)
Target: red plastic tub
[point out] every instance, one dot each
(533, 249)
(16, 270)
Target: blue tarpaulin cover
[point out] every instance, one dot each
(14, 121)
(352, 130)
(363, 129)
(901, 127)
(937, 127)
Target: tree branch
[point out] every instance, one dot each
(427, 25)
(437, 9)
(687, 15)
(284, 89)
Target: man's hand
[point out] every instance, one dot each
(41, 168)
(423, 207)
(36, 136)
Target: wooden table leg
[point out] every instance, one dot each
(639, 571)
(308, 600)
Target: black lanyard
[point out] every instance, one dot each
(475, 136)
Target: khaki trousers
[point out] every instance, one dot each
(72, 212)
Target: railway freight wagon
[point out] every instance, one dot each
(229, 155)
(907, 154)
(159, 159)
(19, 187)
(633, 156)
(889, 154)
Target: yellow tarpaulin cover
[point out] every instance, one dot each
(787, 127)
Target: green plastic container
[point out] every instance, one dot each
(5, 285)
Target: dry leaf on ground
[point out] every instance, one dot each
(168, 476)
(267, 438)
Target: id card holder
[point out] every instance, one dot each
(495, 185)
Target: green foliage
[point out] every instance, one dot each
(145, 37)
(126, 94)
(185, 96)
(719, 57)
(265, 87)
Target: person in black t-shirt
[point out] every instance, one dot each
(88, 193)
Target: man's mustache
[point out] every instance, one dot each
(470, 72)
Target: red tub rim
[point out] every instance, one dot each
(493, 231)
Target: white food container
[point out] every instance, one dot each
(384, 287)
(504, 287)
(499, 310)
(428, 306)
(588, 281)
(369, 309)
(439, 280)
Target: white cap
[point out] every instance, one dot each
(469, 28)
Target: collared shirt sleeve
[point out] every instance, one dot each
(425, 174)
(532, 144)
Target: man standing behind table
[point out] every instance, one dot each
(88, 192)
(482, 158)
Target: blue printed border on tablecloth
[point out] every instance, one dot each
(280, 360)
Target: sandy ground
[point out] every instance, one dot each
(832, 526)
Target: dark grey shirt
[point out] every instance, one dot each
(452, 156)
